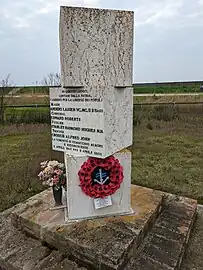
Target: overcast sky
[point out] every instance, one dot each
(168, 38)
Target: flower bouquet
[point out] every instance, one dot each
(53, 174)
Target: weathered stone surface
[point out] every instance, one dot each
(105, 242)
(66, 264)
(96, 47)
(15, 247)
(20, 252)
(165, 245)
(194, 254)
(163, 250)
(146, 263)
(27, 258)
(108, 243)
(50, 262)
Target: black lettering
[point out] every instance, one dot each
(88, 130)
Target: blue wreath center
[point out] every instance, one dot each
(100, 176)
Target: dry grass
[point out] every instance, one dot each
(39, 99)
(167, 99)
(25, 100)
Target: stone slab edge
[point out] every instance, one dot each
(164, 247)
(186, 201)
(71, 248)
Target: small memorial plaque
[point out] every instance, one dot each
(101, 203)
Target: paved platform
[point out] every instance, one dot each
(154, 237)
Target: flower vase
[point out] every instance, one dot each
(57, 193)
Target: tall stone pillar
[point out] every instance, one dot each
(92, 111)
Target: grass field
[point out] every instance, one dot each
(39, 100)
(26, 100)
(22, 148)
(187, 88)
(27, 115)
(168, 99)
(167, 153)
(34, 90)
(142, 89)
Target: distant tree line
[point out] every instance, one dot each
(6, 85)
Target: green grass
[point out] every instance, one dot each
(139, 89)
(168, 149)
(27, 115)
(22, 148)
(167, 88)
(171, 163)
(167, 153)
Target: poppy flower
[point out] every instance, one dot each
(116, 176)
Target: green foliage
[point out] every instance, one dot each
(27, 115)
(160, 89)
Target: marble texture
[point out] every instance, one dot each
(96, 47)
(81, 206)
(96, 53)
(116, 121)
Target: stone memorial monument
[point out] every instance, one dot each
(91, 113)
(91, 118)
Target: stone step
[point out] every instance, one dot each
(154, 237)
(20, 252)
(164, 247)
(104, 243)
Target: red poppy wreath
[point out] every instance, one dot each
(100, 177)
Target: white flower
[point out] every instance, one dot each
(61, 166)
(53, 163)
(43, 164)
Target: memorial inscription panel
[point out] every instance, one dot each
(77, 122)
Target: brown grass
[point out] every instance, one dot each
(168, 99)
(25, 99)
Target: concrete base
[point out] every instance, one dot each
(140, 241)
(105, 241)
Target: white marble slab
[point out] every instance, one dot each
(81, 206)
(96, 48)
(89, 126)
(96, 52)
